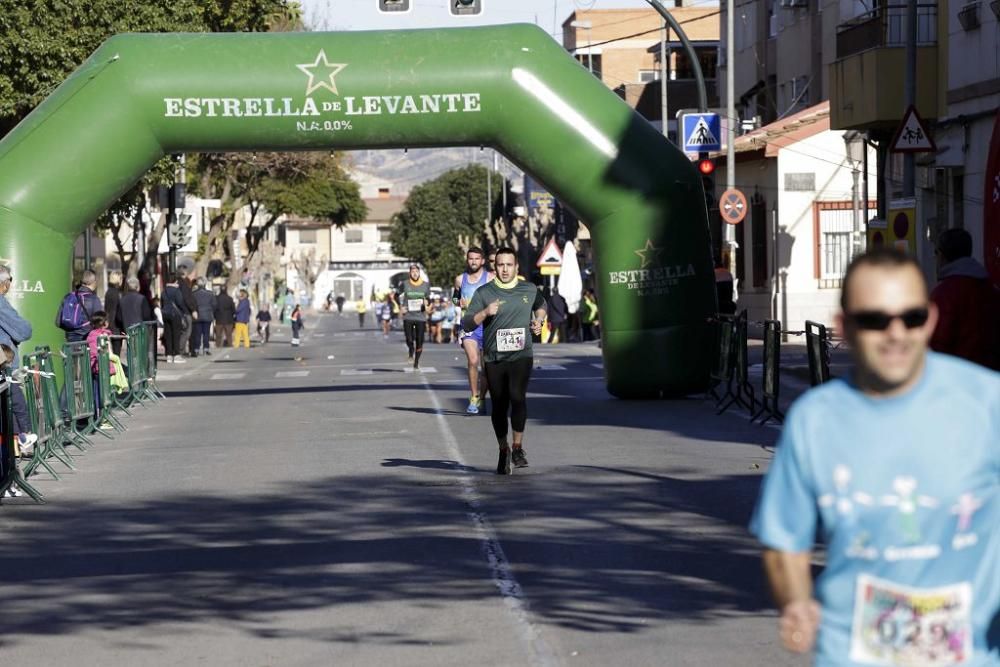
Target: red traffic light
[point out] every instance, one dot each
(706, 166)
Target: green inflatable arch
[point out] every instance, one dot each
(139, 97)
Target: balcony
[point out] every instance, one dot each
(886, 26)
(866, 80)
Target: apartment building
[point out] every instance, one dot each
(623, 49)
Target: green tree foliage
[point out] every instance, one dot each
(442, 218)
(43, 41)
(311, 185)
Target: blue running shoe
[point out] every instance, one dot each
(473, 408)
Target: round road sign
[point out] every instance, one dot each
(733, 206)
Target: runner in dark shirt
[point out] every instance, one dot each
(510, 311)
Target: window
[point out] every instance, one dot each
(354, 235)
(648, 75)
(350, 285)
(835, 224)
(383, 234)
(708, 56)
(307, 236)
(585, 60)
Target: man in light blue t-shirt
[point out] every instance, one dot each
(898, 468)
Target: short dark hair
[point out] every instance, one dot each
(506, 250)
(884, 257)
(475, 250)
(954, 244)
(99, 320)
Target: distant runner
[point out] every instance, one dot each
(475, 276)
(509, 311)
(414, 298)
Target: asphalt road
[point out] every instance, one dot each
(321, 506)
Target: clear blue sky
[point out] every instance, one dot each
(364, 14)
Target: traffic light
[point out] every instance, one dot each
(180, 231)
(394, 6)
(706, 167)
(466, 7)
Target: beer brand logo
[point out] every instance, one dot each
(19, 287)
(651, 278)
(324, 77)
(319, 115)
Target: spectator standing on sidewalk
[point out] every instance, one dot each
(14, 330)
(297, 324)
(133, 306)
(968, 303)
(172, 311)
(225, 318)
(589, 318)
(206, 302)
(188, 315)
(242, 327)
(898, 467)
(557, 310)
(112, 298)
(77, 307)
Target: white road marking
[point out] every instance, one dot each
(228, 376)
(291, 374)
(318, 335)
(355, 371)
(550, 367)
(503, 577)
(168, 377)
(600, 366)
(423, 369)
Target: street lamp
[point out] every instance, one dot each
(586, 25)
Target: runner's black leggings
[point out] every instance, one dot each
(508, 382)
(414, 332)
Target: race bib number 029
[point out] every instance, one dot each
(896, 625)
(510, 340)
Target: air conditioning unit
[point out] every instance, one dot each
(794, 3)
(968, 16)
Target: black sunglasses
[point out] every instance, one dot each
(877, 320)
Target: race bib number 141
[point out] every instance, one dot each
(896, 625)
(510, 340)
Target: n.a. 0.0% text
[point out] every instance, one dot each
(325, 126)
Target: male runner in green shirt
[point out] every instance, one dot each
(414, 297)
(510, 311)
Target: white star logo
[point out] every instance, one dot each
(325, 77)
(650, 255)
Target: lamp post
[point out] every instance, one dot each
(586, 25)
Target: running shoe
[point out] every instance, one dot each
(518, 458)
(503, 464)
(473, 408)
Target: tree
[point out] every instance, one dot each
(442, 218)
(42, 42)
(271, 185)
(308, 267)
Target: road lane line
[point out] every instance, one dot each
(228, 376)
(503, 577)
(355, 371)
(291, 374)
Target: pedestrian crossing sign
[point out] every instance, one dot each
(701, 132)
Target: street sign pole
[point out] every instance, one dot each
(730, 232)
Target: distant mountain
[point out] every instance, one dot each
(405, 169)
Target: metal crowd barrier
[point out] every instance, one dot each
(738, 388)
(107, 396)
(42, 395)
(79, 389)
(818, 349)
(772, 377)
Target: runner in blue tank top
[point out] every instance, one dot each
(466, 285)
